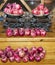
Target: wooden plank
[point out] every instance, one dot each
(3, 4)
(42, 1)
(40, 39)
(26, 5)
(48, 46)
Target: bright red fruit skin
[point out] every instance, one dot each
(15, 32)
(21, 53)
(35, 12)
(42, 55)
(46, 11)
(27, 32)
(30, 52)
(38, 58)
(31, 58)
(40, 7)
(39, 49)
(11, 59)
(25, 59)
(25, 49)
(17, 58)
(15, 12)
(17, 50)
(9, 54)
(8, 48)
(34, 49)
(38, 33)
(20, 11)
(33, 33)
(5, 10)
(21, 32)
(8, 5)
(9, 32)
(1, 52)
(18, 6)
(4, 59)
(44, 51)
(43, 32)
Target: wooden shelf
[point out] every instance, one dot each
(49, 37)
(3, 4)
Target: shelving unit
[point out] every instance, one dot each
(48, 43)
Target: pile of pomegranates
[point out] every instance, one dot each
(33, 32)
(14, 9)
(22, 54)
(40, 10)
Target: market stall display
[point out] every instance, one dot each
(22, 54)
(13, 9)
(26, 37)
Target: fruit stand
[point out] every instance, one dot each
(47, 42)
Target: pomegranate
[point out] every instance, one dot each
(11, 59)
(35, 54)
(25, 59)
(13, 8)
(30, 52)
(31, 58)
(46, 11)
(18, 6)
(9, 32)
(35, 12)
(8, 48)
(8, 11)
(44, 51)
(34, 49)
(21, 53)
(43, 32)
(27, 32)
(21, 32)
(17, 50)
(42, 55)
(13, 5)
(37, 32)
(33, 33)
(5, 10)
(11, 12)
(1, 52)
(8, 5)
(25, 49)
(41, 13)
(9, 54)
(4, 59)
(15, 32)
(17, 58)
(20, 11)
(15, 12)
(39, 49)
(40, 7)
(40, 10)
(38, 58)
